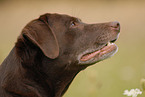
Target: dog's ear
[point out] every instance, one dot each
(41, 34)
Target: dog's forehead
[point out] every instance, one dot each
(62, 17)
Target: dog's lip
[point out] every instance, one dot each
(106, 49)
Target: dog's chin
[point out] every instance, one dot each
(89, 58)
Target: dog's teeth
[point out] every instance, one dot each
(109, 43)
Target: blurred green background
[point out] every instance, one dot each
(108, 78)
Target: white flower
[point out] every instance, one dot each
(126, 92)
(132, 92)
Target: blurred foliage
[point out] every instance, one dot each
(142, 84)
(108, 78)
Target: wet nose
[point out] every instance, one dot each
(115, 25)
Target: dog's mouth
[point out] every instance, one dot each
(106, 51)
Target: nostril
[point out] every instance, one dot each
(118, 25)
(115, 24)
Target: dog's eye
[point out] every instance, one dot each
(72, 23)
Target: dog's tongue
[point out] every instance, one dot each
(97, 54)
(89, 56)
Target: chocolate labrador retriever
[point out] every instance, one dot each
(51, 51)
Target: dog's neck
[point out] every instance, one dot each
(43, 74)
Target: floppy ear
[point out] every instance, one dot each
(40, 33)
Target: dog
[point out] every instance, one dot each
(51, 51)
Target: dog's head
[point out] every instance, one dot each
(69, 40)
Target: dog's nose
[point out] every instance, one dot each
(115, 25)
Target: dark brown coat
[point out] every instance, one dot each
(49, 53)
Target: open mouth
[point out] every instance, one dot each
(106, 51)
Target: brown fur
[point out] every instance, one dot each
(44, 60)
